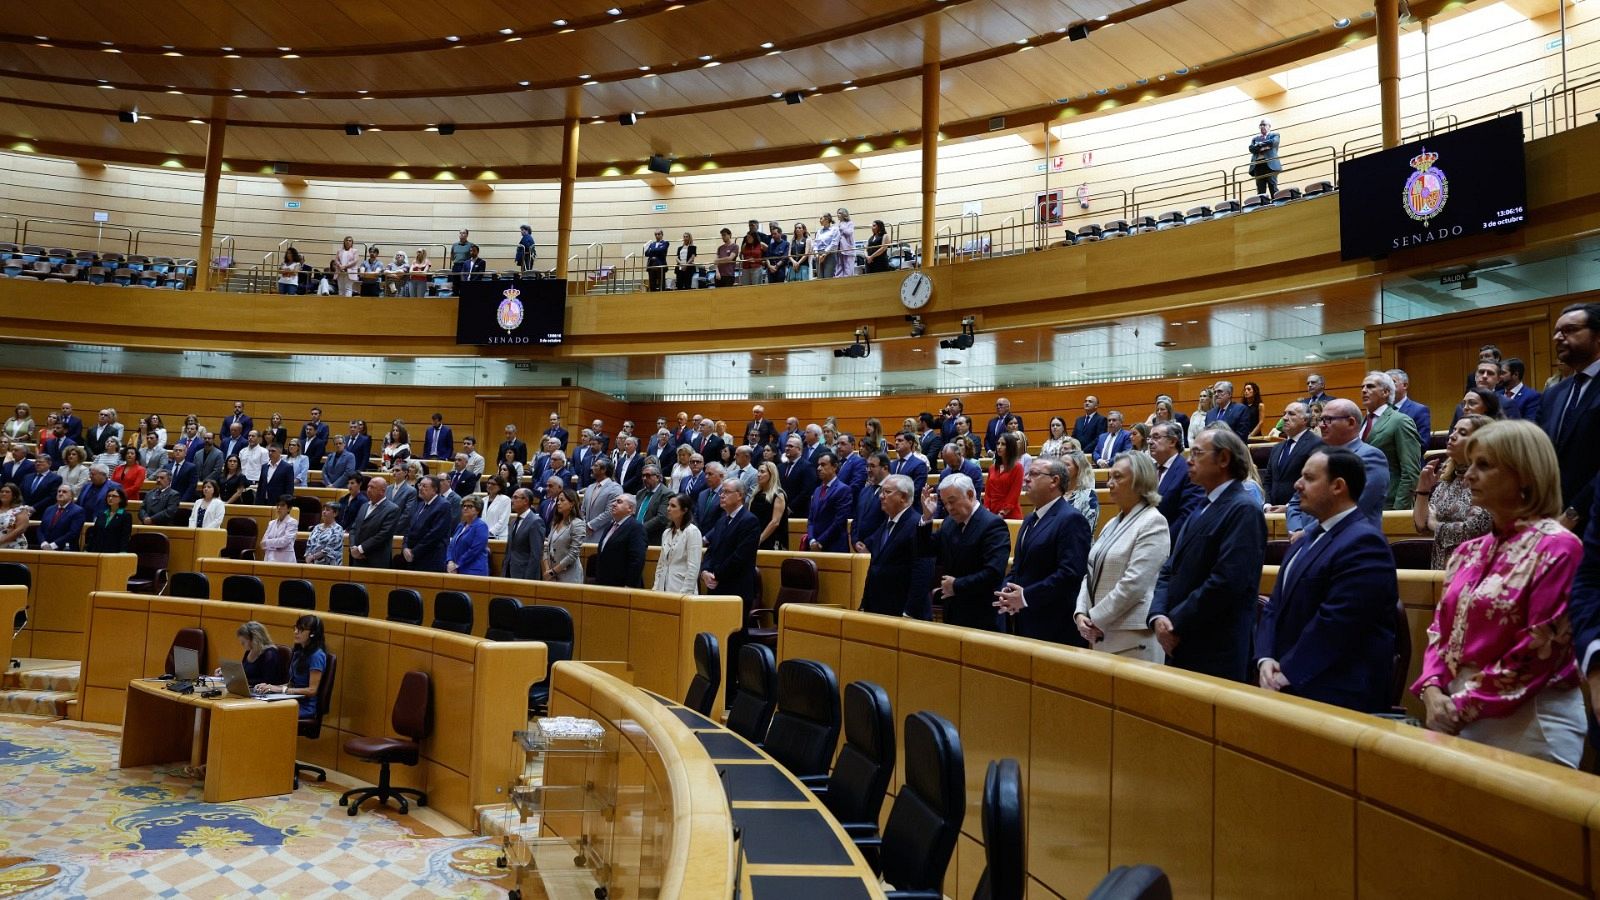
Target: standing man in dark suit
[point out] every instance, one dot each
(314, 438)
(1518, 400)
(208, 463)
(429, 534)
(1224, 410)
(61, 525)
(359, 444)
(827, 520)
(1264, 164)
(438, 442)
(728, 567)
(338, 467)
(798, 477)
(1570, 414)
(956, 464)
(1180, 495)
(707, 442)
(372, 537)
(630, 465)
(524, 539)
(1288, 457)
(1051, 557)
(95, 438)
(893, 545)
(1327, 633)
(277, 479)
(1418, 412)
(1205, 597)
(764, 430)
(972, 545)
(869, 513)
(652, 501)
(72, 424)
(556, 431)
(18, 465)
(462, 479)
(852, 467)
(237, 417)
(1089, 426)
(1316, 390)
(906, 461)
(160, 506)
(620, 559)
(997, 425)
(39, 486)
(707, 500)
(1112, 441)
(182, 475)
(511, 443)
(235, 441)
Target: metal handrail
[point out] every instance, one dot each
(139, 235)
(16, 227)
(1201, 178)
(1244, 168)
(100, 230)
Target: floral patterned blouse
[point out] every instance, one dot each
(1503, 620)
(1451, 505)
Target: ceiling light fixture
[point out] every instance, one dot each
(766, 45)
(508, 31)
(452, 38)
(560, 23)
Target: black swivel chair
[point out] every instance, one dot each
(756, 695)
(1005, 837)
(452, 611)
(860, 777)
(243, 589)
(410, 719)
(503, 614)
(311, 728)
(805, 729)
(921, 832)
(405, 606)
(17, 574)
(193, 585)
(348, 599)
(297, 593)
(553, 626)
(1144, 882)
(702, 691)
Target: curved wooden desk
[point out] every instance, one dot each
(248, 745)
(58, 604)
(695, 781)
(480, 695)
(1234, 791)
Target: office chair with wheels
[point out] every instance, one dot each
(702, 691)
(193, 585)
(405, 607)
(410, 719)
(553, 626)
(243, 589)
(452, 611)
(756, 695)
(797, 583)
(921, 832)
(805, 728)
(150, 574)
(1005, 838)
(311, 728)
(297, 593)
(860, 778)
(1142, 882)
(348, 598)
(503, 614)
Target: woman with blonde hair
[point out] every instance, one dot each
(1197, 419)
(417, 275)
(1499, 667)
(1080, 486)
(1124, 563)
(771, 508)
(847, 245)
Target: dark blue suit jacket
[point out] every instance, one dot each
(1051, 556)
(1577, 443)
(1087, 429)
(1420, 414)
(868, 516)
(1180, 497)
(183, 478)
(853, 471)
(92, 499)
(316, 446)
(39, 491)
(73, 426)
(889, 575)
(1526, 405)
(350, 510)
(1330, 621)
(976, 557)
(1208, 585)
(1283, 468)
(1583, 610)
(827, 521)
(559, 434)
(360, 447)
(62, 530)
(620, 560)
(11, 471)
(269, 488)
(446, 443)
(428, 535)
(1237, 415)
(731, 556)
(1121, 442)
(799, 480)
(914, 469)
(991, 432)
(246, 425)
(969, 469)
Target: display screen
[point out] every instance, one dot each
(1455, 184)
(505, 313)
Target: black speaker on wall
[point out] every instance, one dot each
(659, 163)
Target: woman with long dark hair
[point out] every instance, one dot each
(307, 661)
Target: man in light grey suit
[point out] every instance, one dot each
(524, 539)
(372, 537)
(598, 495)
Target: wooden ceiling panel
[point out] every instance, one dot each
(1176, 35)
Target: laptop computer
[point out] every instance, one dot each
(233, 677)
(185, 664)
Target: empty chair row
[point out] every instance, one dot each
(1120, 228)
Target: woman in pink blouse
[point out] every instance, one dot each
(1499, 667)
(279, 540)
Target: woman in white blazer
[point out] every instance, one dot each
(1114, 601)
(678, 569)
(209, 510)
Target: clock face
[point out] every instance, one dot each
(916, 290)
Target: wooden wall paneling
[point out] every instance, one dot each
(1254, 803)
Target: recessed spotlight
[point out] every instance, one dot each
(285, 49)
(613, 11)
(765, 45)
(108, 87)
(524, 83)
(227, 49)
(1099, 18)
(110, 50)
(848, 81)
(1061, 31)
(777, 95)
(1021, 40)
(232, 56)
(361, 91)
(916, 349)
(508, 31)
(196, 122)
(1018, 341)
(560, 23)
(705, 57)
(1316, 305)
(773, 52)
(853, 87)
(300, 92)
(513, 40)
(175, 91)
(41, 37)
(590, 83)
(1342, 23)
(452, 38)
(649, 74)
(583, 77)
(644, 68)
(1188, 365)
(711, 65)
(290, 56)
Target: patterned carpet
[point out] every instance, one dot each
(73, 825)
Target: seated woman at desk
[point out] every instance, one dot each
(109, 531)
(261, 661)
(307, 662)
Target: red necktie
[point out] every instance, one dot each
(1366, 428)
